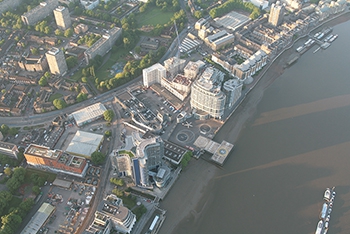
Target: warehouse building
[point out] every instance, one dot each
(88, 114)
(84, 143)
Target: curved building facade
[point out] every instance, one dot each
(206, 94)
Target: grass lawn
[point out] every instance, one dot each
(129, 202)
(103, 72)
(153, 16)
(55, 96)
(76, 77)
(48, 175)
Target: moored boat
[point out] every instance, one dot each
(319, 227)
(327, 194)
(333, 38)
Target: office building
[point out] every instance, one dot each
(55, 160)
(8, 149)
(276, 14)
(62, 17)
(39, 12)
(57, 61)
(148, 156)
(206, 94)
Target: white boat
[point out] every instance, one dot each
(319, 227)
(300, 48)
(327, 194)
(324, 210)
(333, 38)
(315, 51)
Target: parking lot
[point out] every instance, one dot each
(71, 206)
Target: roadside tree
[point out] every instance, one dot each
(98, 158)
(108, 115)
(59, 104)
(36, 189)
(8, 171)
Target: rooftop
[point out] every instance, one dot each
(84, 143)
(84, 115)
(38, 219)
(42, 151)
(232, 20)
(53, 51)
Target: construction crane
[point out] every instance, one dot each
(178, 41)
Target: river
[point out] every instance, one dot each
(294, 145)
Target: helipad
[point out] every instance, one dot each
(219, 151)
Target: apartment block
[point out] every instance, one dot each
(104, 44)
(57, 62)
(40, 12)
(62, 17)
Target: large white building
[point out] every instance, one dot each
(153, 74)
(84, 143)
(232, 20)
(88, 114)
(111, 209)
(169, 77)
(206, 94)
(137, 164)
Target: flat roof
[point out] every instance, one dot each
(219, 151)
(173, 152)
(177, 103)
(232, 20)
(84, 143)
(40, 217)
(89, 113)
(62, 183)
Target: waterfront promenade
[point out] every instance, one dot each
(192, 193)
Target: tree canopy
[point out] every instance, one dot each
(235, 5)
(98, 158)
(16, 179)
(108, 115)
(59, 104)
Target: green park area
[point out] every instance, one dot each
(153, 16)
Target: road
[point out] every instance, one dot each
(49, 116)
